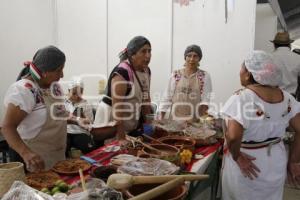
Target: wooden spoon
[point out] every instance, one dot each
(159, 152)
(153, 139)
(123, 181)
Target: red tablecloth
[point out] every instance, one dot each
(205, 151)
(98, 155)
(104, 158)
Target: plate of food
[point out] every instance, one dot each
(201, 135)
(45, 179)
(71, 166)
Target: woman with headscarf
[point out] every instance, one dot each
(189, 89)
(34, 123)
(127, 96)
(255, 160)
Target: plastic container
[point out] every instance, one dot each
(148, 129)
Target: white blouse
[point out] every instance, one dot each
(261, 120)
(87, 112)
(26, 95)
(166, 101)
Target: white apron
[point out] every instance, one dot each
(187, 95)
(134, 99)
(50, 143)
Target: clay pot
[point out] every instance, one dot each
(181, 142)
(103, 172)
(177, 193)
(170, 153)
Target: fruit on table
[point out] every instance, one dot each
(63, 187)
(45, 190)
(55, 190)
(58, 182)
(186, 156)
(59, 187)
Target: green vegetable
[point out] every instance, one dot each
(63, 187)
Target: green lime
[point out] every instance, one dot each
(45, 190)
(58, 182)
(71, 187)
(63, 187)
(55, 190)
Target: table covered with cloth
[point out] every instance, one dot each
(198, 166)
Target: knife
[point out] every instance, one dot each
(90, 160)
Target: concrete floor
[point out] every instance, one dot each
(291, 193)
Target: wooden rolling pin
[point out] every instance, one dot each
(159, 189)
(123, 181)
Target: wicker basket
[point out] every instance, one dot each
(10, 172)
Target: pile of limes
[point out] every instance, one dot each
(59, 187)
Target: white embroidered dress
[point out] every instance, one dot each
(262, 120)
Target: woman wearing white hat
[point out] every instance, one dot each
(78, 136)
(255, 160)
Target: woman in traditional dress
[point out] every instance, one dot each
(34, 124)
(255, 160)
(127, 97)
(189, 90)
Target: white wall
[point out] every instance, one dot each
(82, 35)
(25, 26)
(93, 32)
(224, 45)
(265, 27)
(152, 19)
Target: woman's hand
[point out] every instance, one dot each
(84, 123)
(248, 168)
(294, 173)
(34, 162)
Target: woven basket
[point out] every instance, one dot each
(10, 172)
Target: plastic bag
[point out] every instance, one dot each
(96, 190)
(148, 167)
(104, 193)
(20, 190)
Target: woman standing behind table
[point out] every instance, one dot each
(127, 97)
(189, 89)
(255, 159)
(35, 120)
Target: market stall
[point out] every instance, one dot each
(192, 150)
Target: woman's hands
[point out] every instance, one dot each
(34, 162)
(84, 123)
(247, 167)
(293, 173)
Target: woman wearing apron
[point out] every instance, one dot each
(189, 89)
(35, 121)
(255, 160)
(127, 97)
